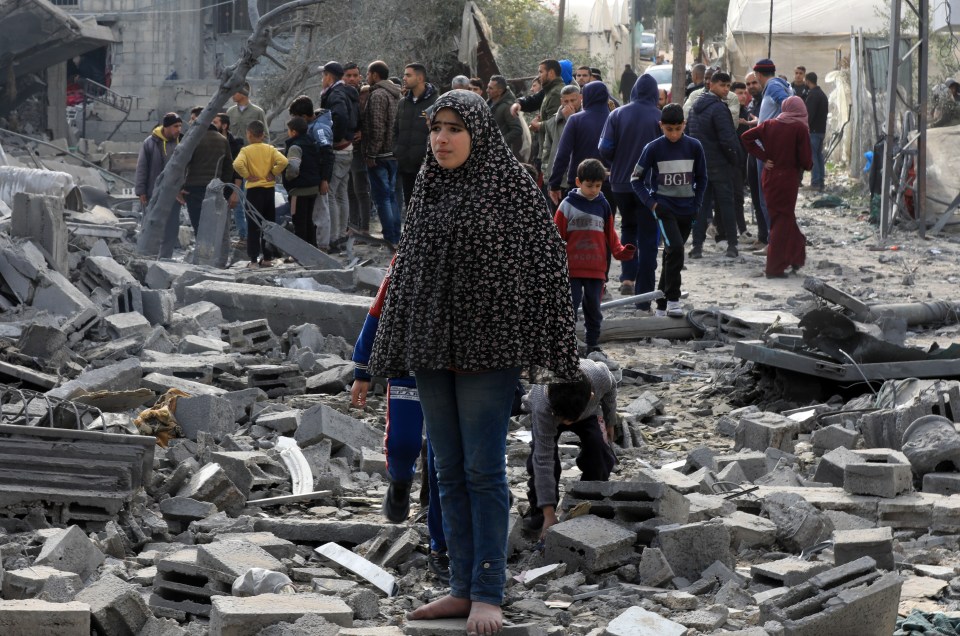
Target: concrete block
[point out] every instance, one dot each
(683, 484)
(186, 509)
(704, 620)
(226, 560)
(276, 380)
(693, 547)
(834, 436)
(127, 324)
(206, 413)
(104, 272)
(945, 484)
(163, 274)
(121, 376)
(283, 422)
(750, 531)
(162, 383)
(71, 550)
(946, 515)
(127, 298)
(878, 471)
(271, 544)
(56, 294)
(116, 606)
(206, 314)
(373, 462)
(832, 464)
(251, 470)
(759, 431)
(883, 428)
(733, 474)
(726, 424)
(28, 582)
(590, 543)
(40, 219)
(876, 543)
(158, 305)
(636, 621)
(233, 616)
(211, 484)
(32, 617)
(300, 530)
(336, 314)
(332, 381)
(629, 502)
(799, 524)
(321, 422)
(706, 507)
(932, 443)
(786, 572)
(646, 405)
(199, 344)
(914, 510)
(43, 342)
(251, 336)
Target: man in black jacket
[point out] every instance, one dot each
(343, 102)
(410, 126)
(817, 107)
(711, 125)
(212, 158)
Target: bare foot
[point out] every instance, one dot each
(484, 619)
(444, 607)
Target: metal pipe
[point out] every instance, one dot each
(920, 185)
(640, 298)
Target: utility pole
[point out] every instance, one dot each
(770, 34)
(560, 12)
(889, 142)
(680, 18)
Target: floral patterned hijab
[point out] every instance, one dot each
(480, 278)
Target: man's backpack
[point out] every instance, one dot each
(321, 129)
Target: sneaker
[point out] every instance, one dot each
(660, 313)
(696, 252)
(626, 288)
(396, 503)
(534, 522)
(757, 245)
(439, 565)
(732, 252)
(674, 310)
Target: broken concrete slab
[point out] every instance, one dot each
(32, 617)
(28, 582)
(116, 607)
(208, 414)
(321, 422)
(211, 484)
(227, 559)
(654, 570)
(337, 314)
(750, 531)
(759, 431)
(876, 543)
(127, 324)
(233, 616)
(162, 383)
(40, 219)
(355, 563)
(786, 572)
(589, 542)
(799, 524)
(878, 471)
(629, 502)
(932, 443)
(692, 548)
(121, 376)
(71, 551)
(637, 621)
(250, 469)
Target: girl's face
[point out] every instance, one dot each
(449, 139)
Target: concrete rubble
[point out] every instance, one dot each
(168, 428)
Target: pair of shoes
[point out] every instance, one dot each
(534, 522)
(439, 565)
(396, 503)
(660, 313)
(626, 288)
(696, 252)
(760, 252)
(732, 252)
(780, 275)
(674, 310)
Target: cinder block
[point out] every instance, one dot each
(34, 618)
(40, 219)
(207, 413)
(130, 324)
(233, 616)
(750, 531)
(834, 436)
(831, 466)
(210, 483)
(199, 344)
(251, 470)
(629, 502)
(759, 431)
(116, 606)
(373, 462)
(881, 472)
(158, 305)
(786, 572)
(273, 545)
(692, 548)
(753, 463)
(876, 543)
(590, 543)
(71, 551)
(251, 336)
(281, 421)
(321, 422)
(945, 484)
(946, 515)
(913, 510)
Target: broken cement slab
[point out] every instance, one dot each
(377, 576)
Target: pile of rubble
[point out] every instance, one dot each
(178, 456)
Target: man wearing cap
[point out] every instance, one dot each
(343, 102)
(154, 155)
(411, 132)
(244, 111)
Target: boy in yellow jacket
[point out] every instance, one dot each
(259, 164)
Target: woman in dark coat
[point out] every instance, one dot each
(783, 144)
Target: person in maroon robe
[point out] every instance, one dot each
(783, 144)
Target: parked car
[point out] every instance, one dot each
(663, 73)
(648, 45)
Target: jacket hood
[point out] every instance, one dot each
(158, 133)
(575, 195)
(389, 86)
(595, 94)
(704, 102)
(645, 90)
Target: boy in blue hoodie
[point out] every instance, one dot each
(585, 221)
(670, 178)
(627, 131)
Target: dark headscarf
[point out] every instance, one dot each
(480, 279)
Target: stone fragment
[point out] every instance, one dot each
(752, 463)
(636, 621)
(834, 436)
(28, 582)
(799, 524)
(932, 443)
(208, 413)
(786, 572)
(704, 620)
(750, 531)
(759, 431)
(126, 325)
(945, 484)
(691, 548)
(211, 484)
(589, 542)
(249, 470)
(71, 550)
(876, 543)
(226, 560)
(283, 422)
(832, 464)
(321, 422)
(33, 617)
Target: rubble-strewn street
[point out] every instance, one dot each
(178, 453)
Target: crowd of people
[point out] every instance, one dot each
(501, 229)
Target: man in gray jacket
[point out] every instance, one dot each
(500, 100)
(154, 155)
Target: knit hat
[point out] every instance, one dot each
(334, 68)
(766, 65)
(170, 119)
